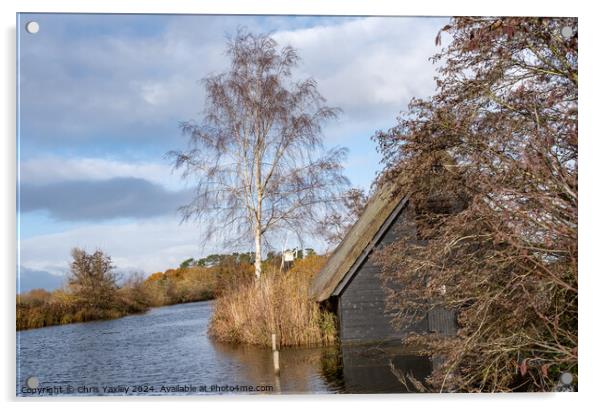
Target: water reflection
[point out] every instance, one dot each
(373, 368)
(169, 346)
(335, 369)
(300, 369)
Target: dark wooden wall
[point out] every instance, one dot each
(361, 305)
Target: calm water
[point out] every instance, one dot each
(166, 351)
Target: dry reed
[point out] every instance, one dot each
(278, 303)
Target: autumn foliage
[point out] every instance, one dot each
(490, 165)
(93, 292)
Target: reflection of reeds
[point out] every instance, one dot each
(277, 303)
(331, 361)
(408, 381)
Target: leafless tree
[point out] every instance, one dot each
(257, 157)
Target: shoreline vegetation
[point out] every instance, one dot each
(277, 303)
(246, 311)
(96, 295)
(40, 308)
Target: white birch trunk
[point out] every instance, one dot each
(257, 252)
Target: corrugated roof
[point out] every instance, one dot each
(359, 237)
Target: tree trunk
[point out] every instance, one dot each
(257, 252)
(258, 215)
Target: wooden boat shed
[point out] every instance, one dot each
(350, 283)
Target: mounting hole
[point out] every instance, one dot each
(566, 378)
(32, 382)
(567, 32)
(32, 27)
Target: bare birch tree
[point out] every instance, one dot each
(257, 157)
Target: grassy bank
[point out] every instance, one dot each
(250, 312)
(39, 308)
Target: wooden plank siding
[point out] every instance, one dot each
(361, 303)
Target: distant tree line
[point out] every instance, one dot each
(244, 258)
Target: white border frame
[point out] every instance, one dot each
(591, 148)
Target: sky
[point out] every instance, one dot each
(101, 97)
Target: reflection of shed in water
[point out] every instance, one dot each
(374, 368)
(350, 283)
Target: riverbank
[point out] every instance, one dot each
(49, 315)
(247, 312)
(40, 308)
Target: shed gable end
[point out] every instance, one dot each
(363, 316)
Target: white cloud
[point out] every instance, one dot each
(144, 246)
(118, 89)
(370, 67)
(149, 246)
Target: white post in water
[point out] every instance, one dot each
(276, 355)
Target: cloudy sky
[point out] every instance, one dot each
(101, 97)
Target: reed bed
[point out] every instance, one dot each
(277, 303)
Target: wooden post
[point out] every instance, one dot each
(275, 354)
(276, 362)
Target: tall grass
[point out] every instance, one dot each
(278, 303)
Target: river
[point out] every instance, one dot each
(167, 351)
